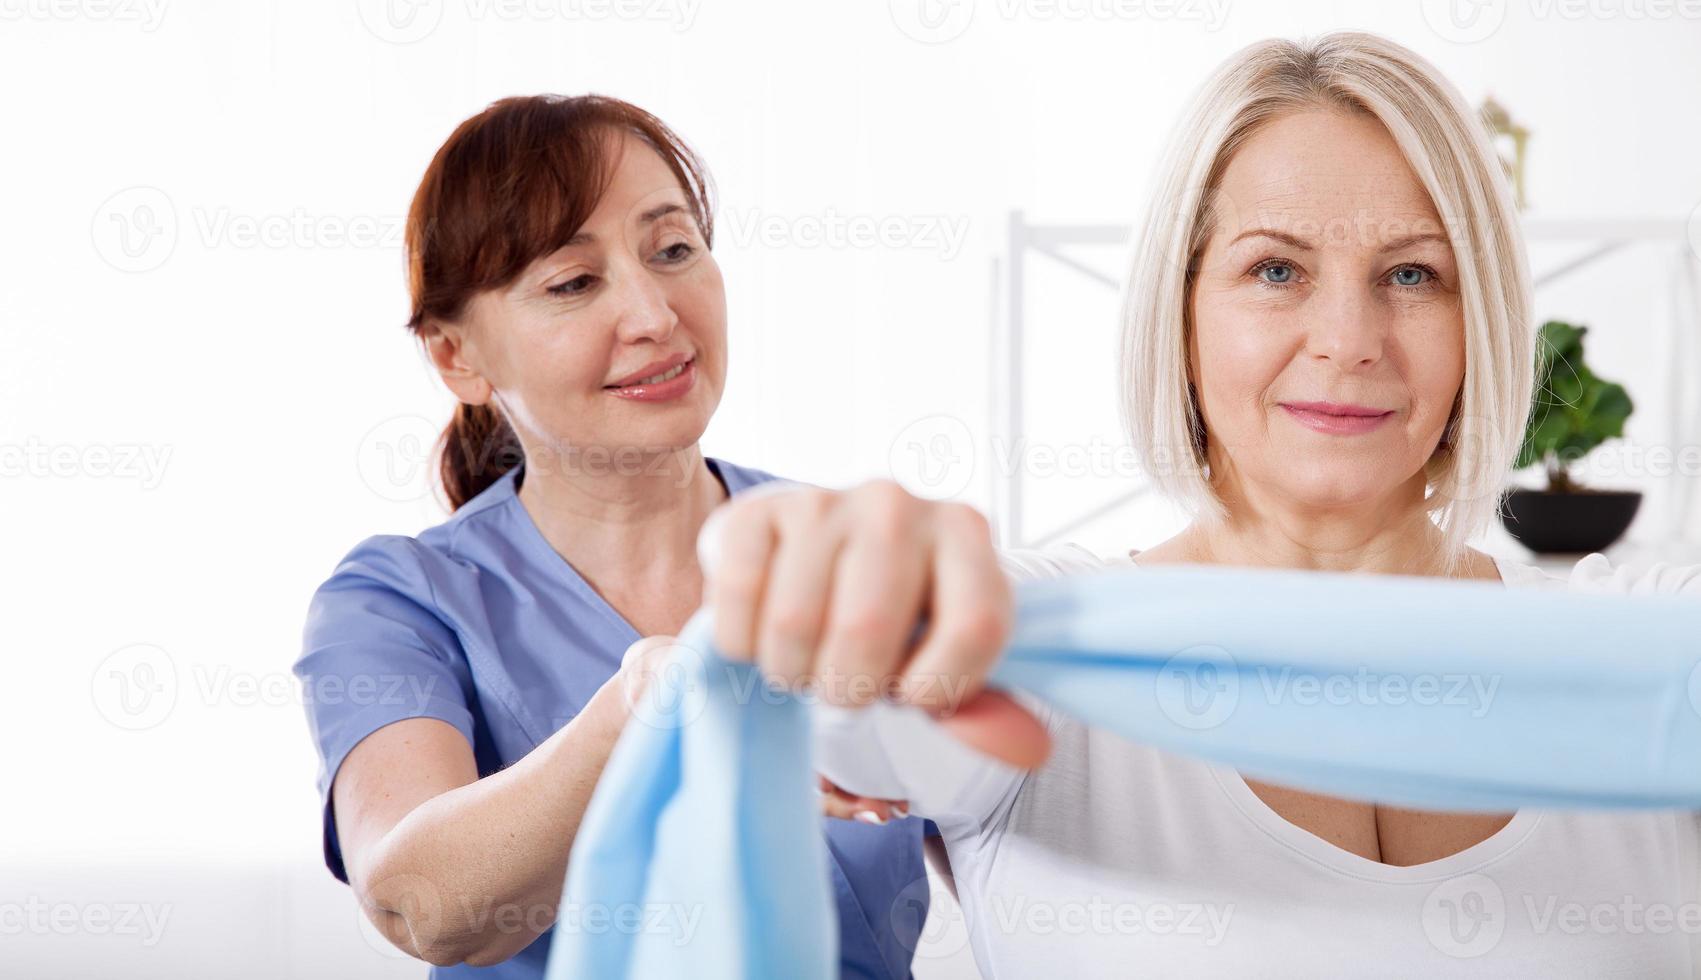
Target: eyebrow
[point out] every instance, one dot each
(1302, 245)
(648, 217)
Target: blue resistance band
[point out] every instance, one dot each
(700, 853)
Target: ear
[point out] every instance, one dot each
(447, 345)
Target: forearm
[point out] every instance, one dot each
(888, 751)
(474, 874)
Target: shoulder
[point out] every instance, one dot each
(740, 478)
(1595, 573)
(393, 562)
(428, 569)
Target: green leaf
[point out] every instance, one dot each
(1562, 340)
(1549, 431)
(1573, 410)
(1610, 407)
(1566, 386)
(1576, 444)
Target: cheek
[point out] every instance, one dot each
(1238, 357)
(563, 352)
(1435, 368)
(700, 300)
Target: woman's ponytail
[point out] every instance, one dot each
(476, 448)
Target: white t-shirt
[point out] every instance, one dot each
(1115, 859)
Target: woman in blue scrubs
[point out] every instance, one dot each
(467, 683)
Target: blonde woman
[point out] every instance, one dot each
(1327, 355)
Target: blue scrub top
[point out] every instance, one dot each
(480, 623)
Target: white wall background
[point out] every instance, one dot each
(193, 420)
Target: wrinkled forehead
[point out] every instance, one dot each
(1327, 209)
(1333, 178)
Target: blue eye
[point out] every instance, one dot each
(1411, 275)
(1274, 273)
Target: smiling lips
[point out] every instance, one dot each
(659, 381)
(1336, 418)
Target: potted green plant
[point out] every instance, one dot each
(1574, 411)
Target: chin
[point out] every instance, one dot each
(672, 434)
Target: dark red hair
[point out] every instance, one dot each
(511, 185)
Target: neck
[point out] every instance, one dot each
(621, 517)
(1390, 534)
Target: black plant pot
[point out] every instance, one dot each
(1578, 522)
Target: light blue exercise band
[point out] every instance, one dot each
(700, 853)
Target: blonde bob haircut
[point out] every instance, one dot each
(1449, 151)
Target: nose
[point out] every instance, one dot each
(1347, 326)
(646, 312)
